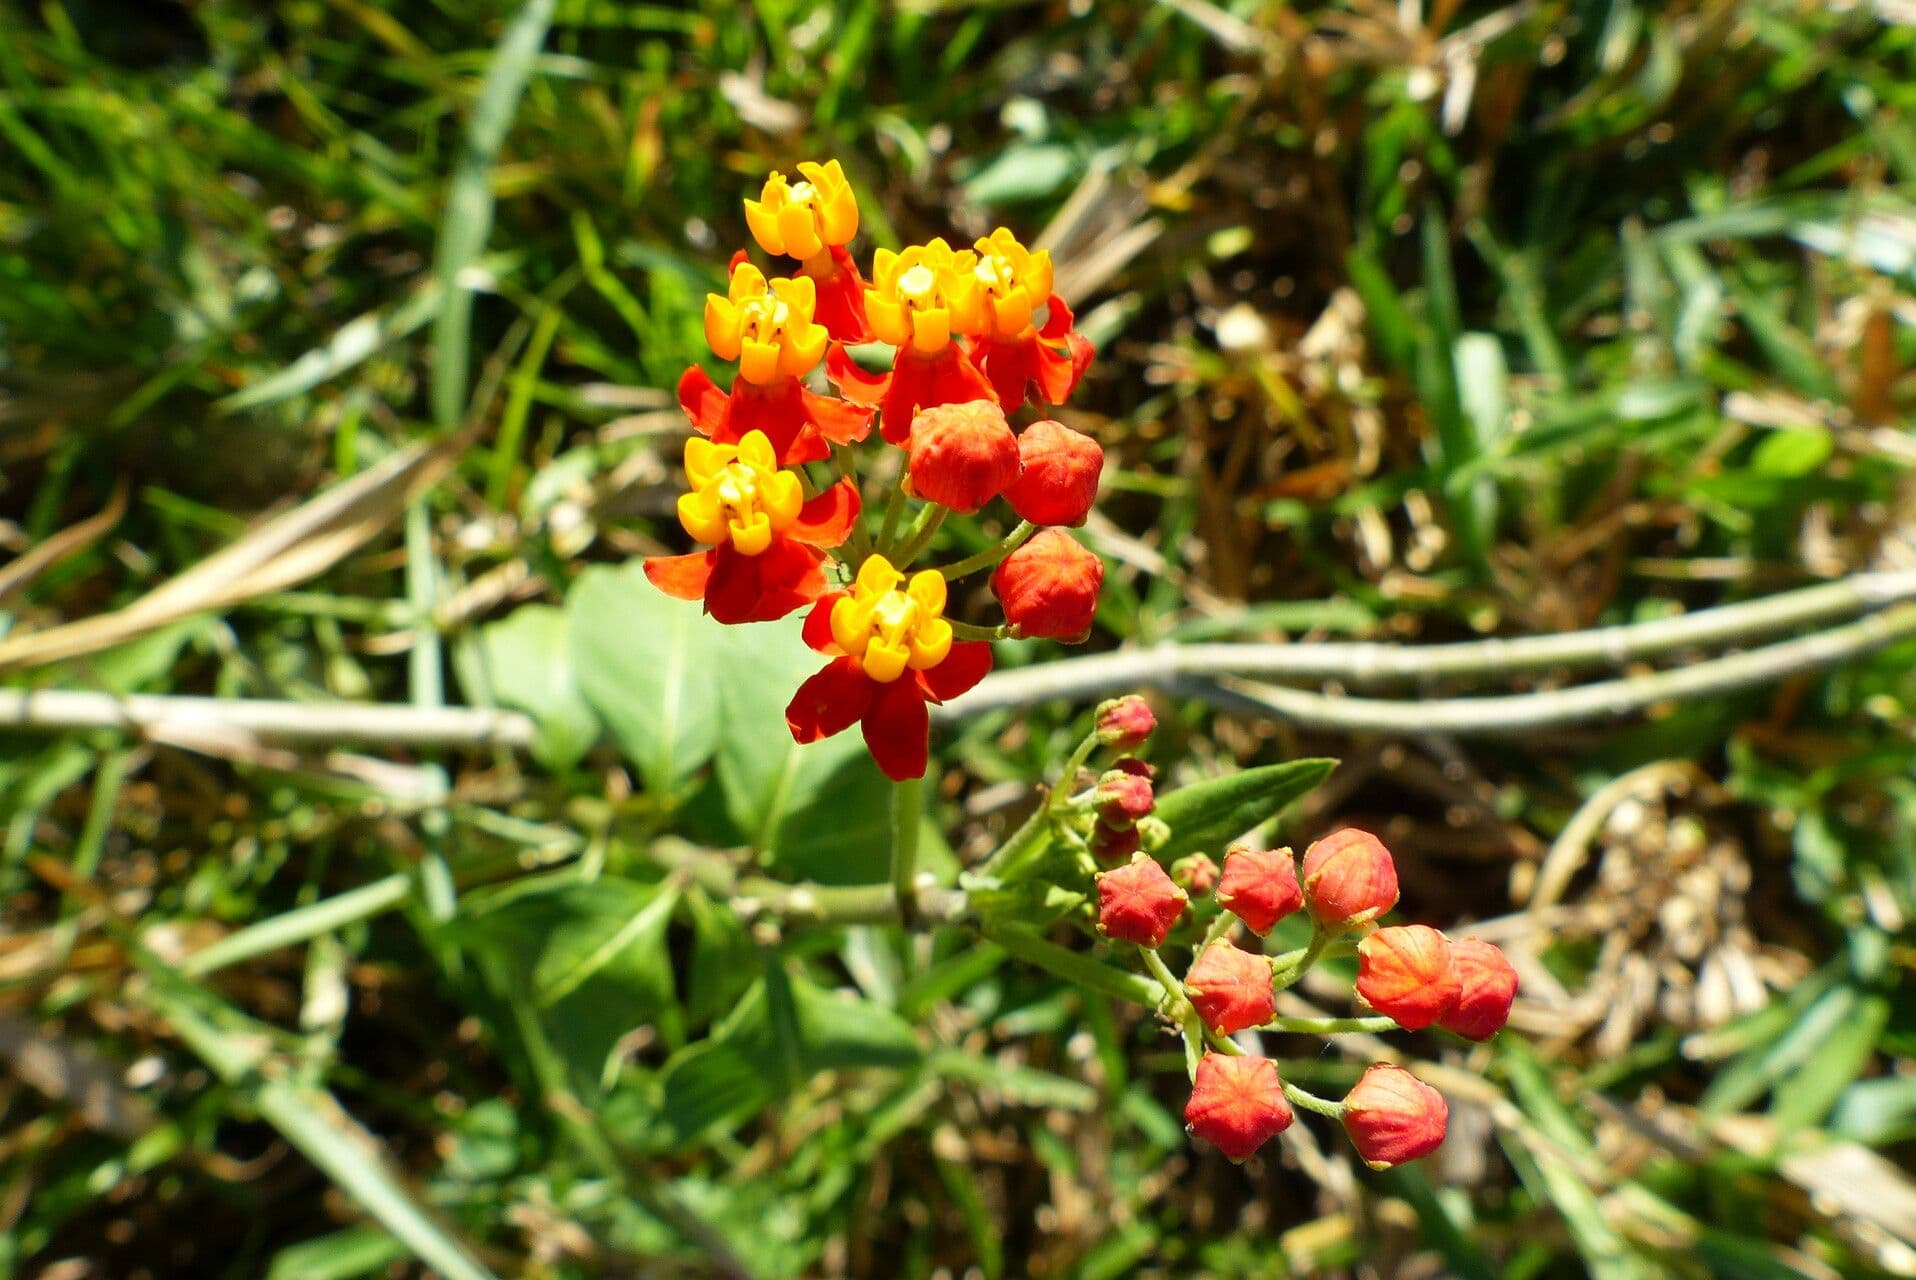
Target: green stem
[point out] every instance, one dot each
(1012, 854)
(845, 468)
(894, 512)
(1219, 928)
(907, 806)
(992, 554)
(969, 631)
(1292, 965)
(1173, 989)
(920, 535)
(1076, 967)
(1330, 1026)
(1311, 1102)
(1062, 792)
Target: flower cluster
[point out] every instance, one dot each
(1410, 975)
(774, 494)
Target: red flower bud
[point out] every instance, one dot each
(1133, 765)
(1124, 723)
(1195, 873)
(1237, 1103)
(1060, 480)
(1049, 587)
(962, 455)
(1138, 903)
(1259, 886)
(1122, 798)
(1231, 989)
(1349, 878)
(1109, 844)
(1486, 984)
(1404, 972)
(1392, 1116)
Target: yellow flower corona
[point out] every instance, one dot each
(766, 326)
(890, 629)
(738, 493)
(921, 297)
(1013, 282)
(803, 219)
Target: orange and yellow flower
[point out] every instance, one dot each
(1012, 282)
(813, 220)
(893, 653)
(768, 326)
(920, 301)
(766, 555)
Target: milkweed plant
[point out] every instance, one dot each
(824, 496)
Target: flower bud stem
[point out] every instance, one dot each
(1292, 965)
(894, 512)
(1061, 794)
(1220, 928)
(919, 536)
(1311, 1102)
(969, 631)
(1331, 1026)
(992, 554)
(845, 467)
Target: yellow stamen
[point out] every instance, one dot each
(738, 493)
(805, 218)
(766, 325)
(893, 631)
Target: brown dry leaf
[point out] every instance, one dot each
(284, 551)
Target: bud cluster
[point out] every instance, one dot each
(1411, 974)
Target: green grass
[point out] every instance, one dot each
(1553, 316)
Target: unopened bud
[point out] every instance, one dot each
(1259, 886)
(1124, 723)
(1231, 988)
(1404, 972)
(1486, 984)
(1349, 878)
(1195, 873)
(1237, 1103)
(1392, 1116)
(1138, 903)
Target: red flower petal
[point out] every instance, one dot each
(898, 730)
(1058, 321)
(827, 520)
(764, 587)
(831, 702)
(709, 408)
(838, 421)
(924, 382)
(681, 576)
(968, 662)
(852, 381)
(841, 299)
(818, 625)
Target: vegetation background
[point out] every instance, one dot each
(1419, 321)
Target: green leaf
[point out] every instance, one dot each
(785, 1030)
(592, 957)
(1207, 814)
(1023, 171)
(818, 810)
(1791, 454)
(527, 659)
(645, 664)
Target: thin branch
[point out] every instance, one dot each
(1359, 663)
(1608, 699)
(371, 724)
